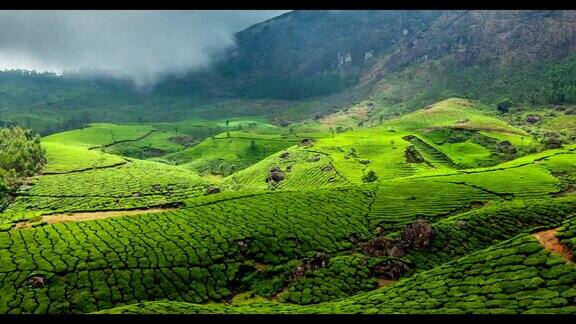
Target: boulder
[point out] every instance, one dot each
(307, 141)
(37, 281)
(319, 261)
(379, 246)
(417, 235)
(411, 155)
(390, 269)
(533, 119)
(275, 175)
(315, 158)
(212, 190)
(328, 168)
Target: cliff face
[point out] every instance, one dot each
(313, 42)
(503, 36)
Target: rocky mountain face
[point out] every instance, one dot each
(315, 42)
(502, 36)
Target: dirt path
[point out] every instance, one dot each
(551, 243)
(79, 217)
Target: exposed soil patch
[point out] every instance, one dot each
(184, 140)
(549, 241)
(86, 216)
(384, 282)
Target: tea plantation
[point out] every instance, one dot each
(442, 210)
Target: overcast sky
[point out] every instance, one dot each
(141, 45)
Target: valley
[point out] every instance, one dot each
(319, 162)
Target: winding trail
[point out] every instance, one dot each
(551, 243)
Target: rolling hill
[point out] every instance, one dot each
(358, 162)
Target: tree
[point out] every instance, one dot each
(504, 105)
(370, 176)
(21, 155)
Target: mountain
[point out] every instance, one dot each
(314, 42)
(505, 36)
(310, 64)
(349, 48)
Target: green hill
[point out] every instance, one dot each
(252, 242)
(296, 226)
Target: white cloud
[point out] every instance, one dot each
(141, 45)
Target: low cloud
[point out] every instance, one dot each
(140, 45)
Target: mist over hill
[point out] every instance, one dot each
(142, 46)
(325, 60)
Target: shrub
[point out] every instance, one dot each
(370, 176)
(504, 105)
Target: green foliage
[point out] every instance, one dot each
(293, 87)
(248, 239)
(540, 83)
(227, 153)
(370, 176)
(20, 152)
(137, 184)
(343, 276)
(496, 280)
(21, 155)
(191, 254)
(504, 105)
